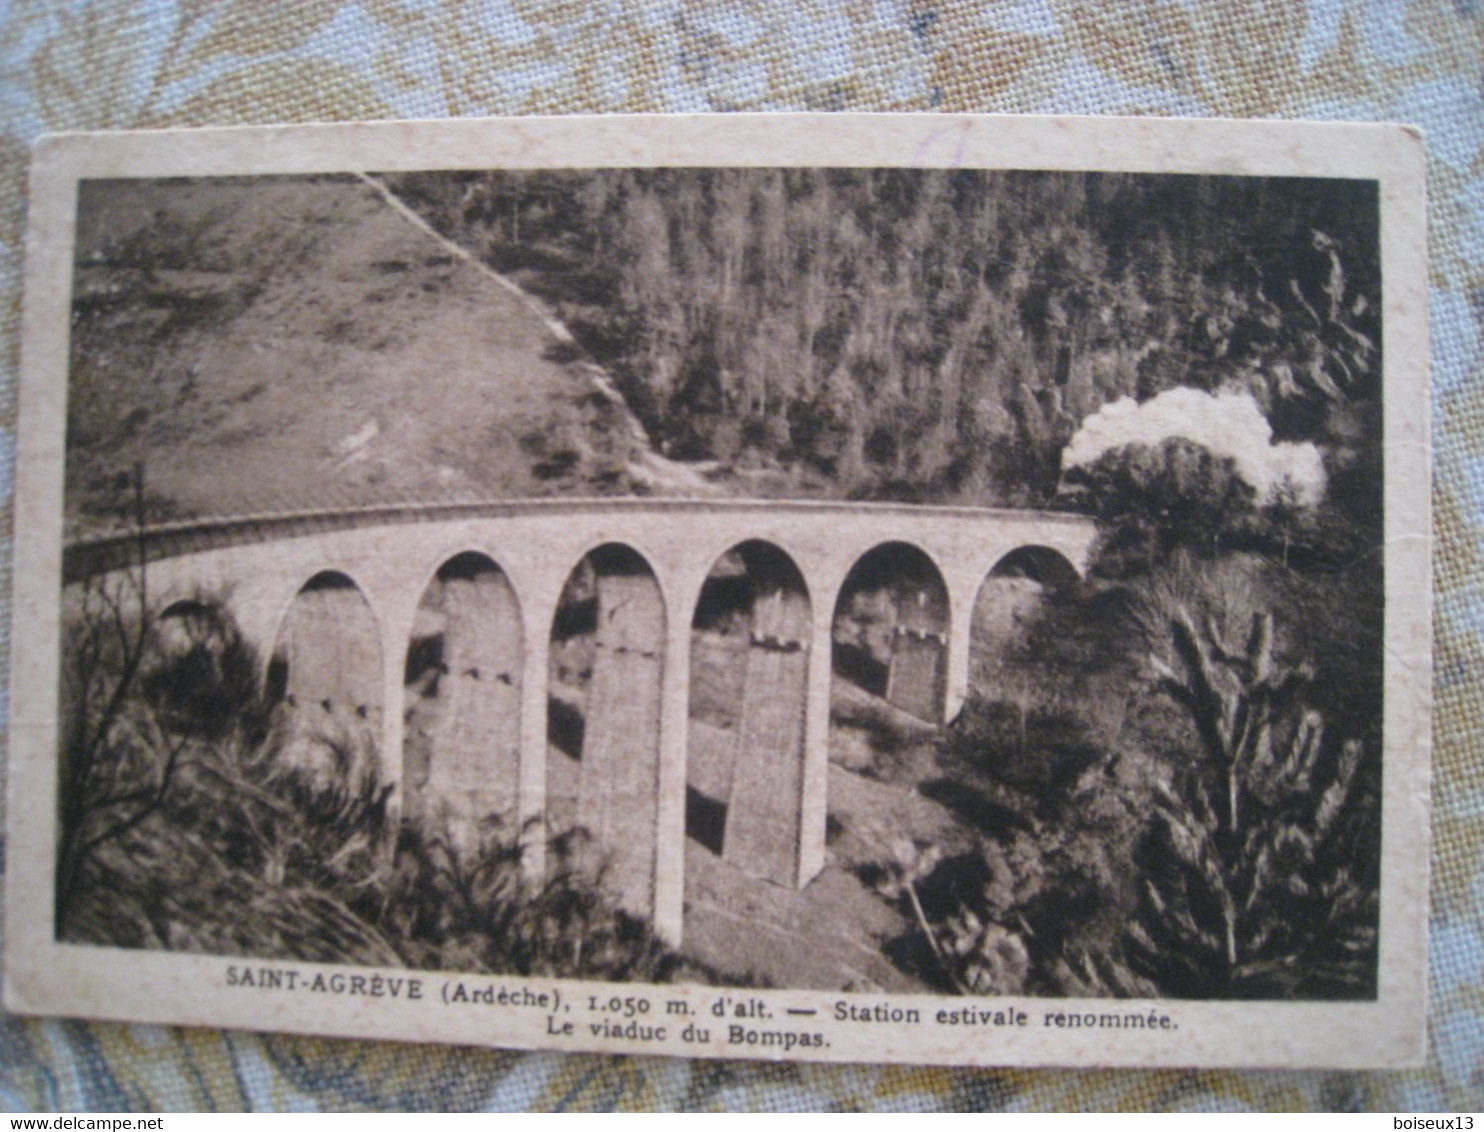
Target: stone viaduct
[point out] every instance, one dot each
(648, 562)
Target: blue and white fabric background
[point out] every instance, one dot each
(117, 64)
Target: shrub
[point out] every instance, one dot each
(1261, 861)
(1039, 767)
(119, 754)
(1158, 498)
(971, 955)
(1028, 911)
(1039, 750)
(475, 909)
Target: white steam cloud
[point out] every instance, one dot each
(1229, 424)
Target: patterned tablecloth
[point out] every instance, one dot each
(75, 65)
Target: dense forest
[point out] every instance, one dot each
(938, 335)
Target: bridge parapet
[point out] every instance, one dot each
(90, 555)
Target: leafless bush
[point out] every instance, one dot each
(118, 759)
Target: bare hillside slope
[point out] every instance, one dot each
(272, 344)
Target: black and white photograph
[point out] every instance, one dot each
(864, 579)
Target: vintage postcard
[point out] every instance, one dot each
(846, 588)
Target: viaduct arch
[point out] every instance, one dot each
(503, 567)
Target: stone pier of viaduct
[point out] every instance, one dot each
(260, 567)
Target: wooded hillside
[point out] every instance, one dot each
(938, 335)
